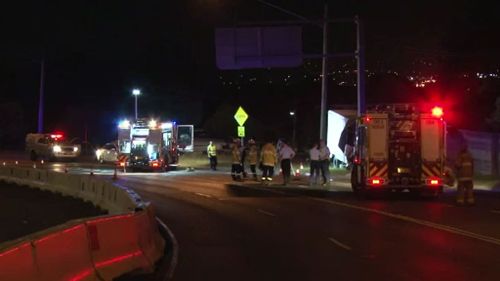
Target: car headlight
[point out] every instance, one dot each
(75, 148)
(56, 148)
(98, 153)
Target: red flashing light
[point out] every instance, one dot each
(56, 136)
(437, 111)
(357, 160)
(122, 164)
(367, 119)
(155, 164)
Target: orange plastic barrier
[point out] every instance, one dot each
(150, 240)
(114, 246)
(64, 255)
(17, 263)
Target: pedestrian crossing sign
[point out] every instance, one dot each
(241, 131)
(241, 116)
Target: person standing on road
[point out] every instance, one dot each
(253, 156)
(465, 172)
(212, 155)
(286, 154)
(268, 160)
(236, 162)
(324, 160)
(315, 164)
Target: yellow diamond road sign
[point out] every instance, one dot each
(241, 116)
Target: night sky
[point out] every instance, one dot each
(97, 51)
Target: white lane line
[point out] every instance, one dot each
(340, 244)
(175, 251)
(495, 211)
(433, 225)
(203, 195)
(266, 212)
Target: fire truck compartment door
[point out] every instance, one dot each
(377, 137)
(185, 137)
(431, 136)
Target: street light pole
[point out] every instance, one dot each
(41, 97)
(292, 114)
(324, 74)
(136, 93)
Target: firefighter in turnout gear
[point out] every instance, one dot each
(268, 160)
(253, 157)
(212, 155)
(236, 169)
(465, 171)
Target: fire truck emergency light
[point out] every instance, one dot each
(437, 111)
(152, 124)
(124, 124)
(56, 136)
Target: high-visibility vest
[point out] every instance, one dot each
(212, 150)
(465, 166)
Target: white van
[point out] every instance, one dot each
(50, 147)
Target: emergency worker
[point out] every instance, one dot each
(236, 162)
(286, 154)
(253, 157)
(324, 162)
(212, 155)
(465, 171)
(268, 161)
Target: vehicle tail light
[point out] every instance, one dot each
(433, 181)
(376, 181)
(155, 164)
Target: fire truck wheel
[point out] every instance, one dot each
(33, 156)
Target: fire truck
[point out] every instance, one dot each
(151, 145)
(399, 147)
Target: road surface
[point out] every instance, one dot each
(228, 231)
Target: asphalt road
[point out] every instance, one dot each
(229, 231)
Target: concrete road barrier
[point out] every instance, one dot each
(99, 248)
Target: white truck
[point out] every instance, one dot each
(51, 147)
(398, 147)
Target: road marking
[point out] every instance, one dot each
(433, 225)
(203, 195)
(341, 245)
(175, 251)
(266, 213)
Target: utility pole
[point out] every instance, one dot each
(324, 80)
(360, 55)
(41, 98)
